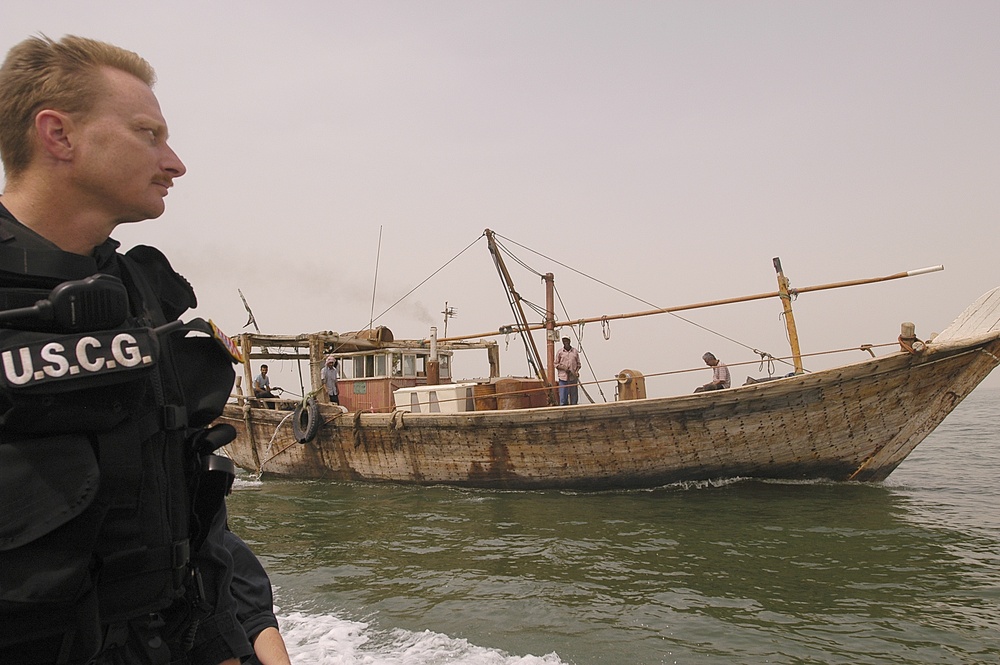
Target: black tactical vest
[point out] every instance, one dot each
(98, 476)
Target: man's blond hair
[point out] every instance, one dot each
(40, 73)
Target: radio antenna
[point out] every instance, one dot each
(378, 252)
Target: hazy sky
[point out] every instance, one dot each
(670, 149)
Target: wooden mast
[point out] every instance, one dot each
(550, 334)
(515, 298)
(709, 303)
(786, 303)
(246, 346)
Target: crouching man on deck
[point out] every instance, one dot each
(111, 501)
(720, 374)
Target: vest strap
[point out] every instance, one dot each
(174, 417)
(51, 263)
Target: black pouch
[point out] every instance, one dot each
(49, 522)
(204, 365)
(45, 484)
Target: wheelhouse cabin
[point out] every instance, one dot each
(371, 364)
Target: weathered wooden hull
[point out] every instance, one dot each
(856, 422)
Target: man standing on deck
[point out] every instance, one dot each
(720, 374)
(568, 371)
(111, 546)
(329, 376)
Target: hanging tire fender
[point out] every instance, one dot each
(306, 421)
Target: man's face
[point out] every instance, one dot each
(566, 344)
(263, 370)
(121, 157)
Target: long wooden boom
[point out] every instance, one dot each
(709, 303)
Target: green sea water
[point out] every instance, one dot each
(905, 571)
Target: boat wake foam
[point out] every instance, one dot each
(325, 639)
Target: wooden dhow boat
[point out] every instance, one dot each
(403, 418)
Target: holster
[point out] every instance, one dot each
(214, 479)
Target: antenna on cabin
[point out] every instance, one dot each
(449, 313)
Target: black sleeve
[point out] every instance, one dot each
(219, 636)
(251, 588)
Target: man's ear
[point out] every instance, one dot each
(53, 130)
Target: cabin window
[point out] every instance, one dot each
(381, 365)
(358, 367)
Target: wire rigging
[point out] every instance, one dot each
(520, 323)
(515, 300)
(426, 279)
(635, 297)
